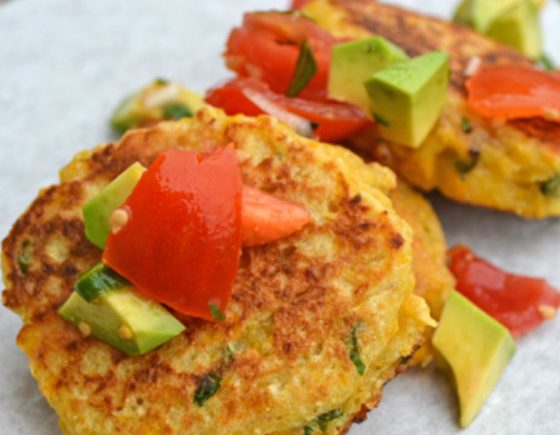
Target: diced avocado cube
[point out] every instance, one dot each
(480, 14)
(539, 3)
(520, 29)
(98, 280)
(511, 22)
(123, 319)
(408, 97)
(97, 211)
(475, 348)
(462, 14)
(158, 101)
(354, 62)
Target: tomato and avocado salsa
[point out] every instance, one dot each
(330, 121)
(172, 237)
(512, 92)
(283, 60)
(289, 67)
(181, 240)
(520, 303)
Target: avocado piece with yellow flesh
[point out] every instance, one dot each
(408, 97)
(462, 14)
(97, 211)
(158, 100)
(512, 22)
(480, 14)
(475, 348)
(123, 319)
(519, 28)
(354, 62)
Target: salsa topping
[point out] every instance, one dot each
(518, 302)
(182, 241)
(506, 92)
(334, 121)
(265, 218)
(178, 236)
(282, 61)
(268, 46)
(305, 69)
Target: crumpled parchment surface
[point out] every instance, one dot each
(64, 64)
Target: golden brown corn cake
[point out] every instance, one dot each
(304, 312)
(505, 166)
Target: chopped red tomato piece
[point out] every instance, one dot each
(265, 218)
(179, 233)
(332, 121)
(181, 241)
(512, 91)
(267, 46)
(518, 302)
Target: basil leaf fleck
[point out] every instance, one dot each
(25, 257)
(305, 69)
(355, 353)
(208, 386)
(229, 352)
(464, 167)
(324, 419)
(216, 313)
(466, 125)
(546, 63)
(551, 187)
(308, 430)
(161, 81)
(380, 120)
(176, 111)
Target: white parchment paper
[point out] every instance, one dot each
(64, 64)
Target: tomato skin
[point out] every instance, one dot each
(231, 97)
(182, 241)
(265, 218)
(267, 45)
(511, 91)
(513, 300)
(335, 121)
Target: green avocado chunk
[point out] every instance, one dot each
(511, 22)
(98, 280)
(354, 62)
(97, 211)
(475, 348)
(153, 103)
(480, 14)
(520, 29)
(408, 97)
(123, 319)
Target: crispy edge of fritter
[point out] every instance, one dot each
(434, 281)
